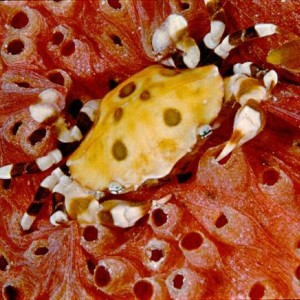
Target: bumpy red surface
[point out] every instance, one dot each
(230, 231)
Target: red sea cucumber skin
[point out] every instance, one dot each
(246, 210)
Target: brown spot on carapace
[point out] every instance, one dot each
(127, 90)
(172, 117)
(145, 95)
(118, 114)
(119, 150)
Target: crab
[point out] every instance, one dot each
(141, 129)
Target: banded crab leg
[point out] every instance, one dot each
(249, 92)
(239, 37)
(68, 141)
(217, 23)
(70, 200)
(45, 189)
(269, 77)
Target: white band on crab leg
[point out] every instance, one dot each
(40, 164)
(239, 37)
(242, 88)
(44, 109)
(59, 215)
(42, 193)
(249, 120)
(217, 24)
(85, 120)
(269, 77)
(71, 201)
(172, 38)
(248, 123)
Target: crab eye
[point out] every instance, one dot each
(119, 150)
(172, 117)
(127, 90)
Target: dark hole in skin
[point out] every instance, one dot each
(156, 255)
(116, 39)
(19, 20)
(159, 217)
(57, 78)
(37, 136)
(143, 290)
(11, 293)
(74, 107)
(270, 177)
(3, 263)
(16, 127)
(184, 5)
(116, 4)
(112, 83)
(182, 178)
(90, 233)
(192, 241)
(91, 266)
(41, 251)
(15, 47)
(102, 276)
(297, 273)
(57, 38)
(221, 221)
(68, 48)
(5, 183)
(257, 291)
(178, 281)
(23, 84)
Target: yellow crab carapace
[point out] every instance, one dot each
(146, 125)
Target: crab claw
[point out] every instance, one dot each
(248, 122)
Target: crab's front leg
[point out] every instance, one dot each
(249, 92)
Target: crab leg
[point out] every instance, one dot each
(68, 141)
(249, 120)
(269, 77)
(41, 195)
(217, 23)
(237, 38)
(172, 39)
